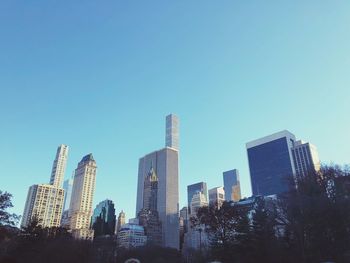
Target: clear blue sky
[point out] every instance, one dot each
(100, 76)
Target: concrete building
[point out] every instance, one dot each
(172, 132)
(164, 162)
(103, 219)
(193, 189)
(232, 185)
(131, 236)
(59, 166)
(305, 158)
(45, 201)
(271, 163)
(80, 209)
(216, 196)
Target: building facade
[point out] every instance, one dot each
(131, 236)
(165, 164)
(67, 186)
(80, 209)
(45, 201)
(271, 163)
(305, 158)
(103, 219)
(216, 196)
(120, 222)
(59, 166)
(193, 189)
(172, 132)
(232, 185)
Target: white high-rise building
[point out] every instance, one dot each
(59, 166)
(216, 196)
(45, 201)
(172, 132)
(198, 200)
(80, 209)
(305, 158)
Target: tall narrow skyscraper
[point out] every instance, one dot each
(59, 166)
(67, 186)
(305, 158)
(80, 209)
(172, 132)
(45, 201)
(271, 163)
(165, 164)
(232, 185)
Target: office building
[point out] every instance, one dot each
(216, 196)
(193, 189)
(172, 132)
(103, 219)
(80, 209)
(271, 163)
(120, 222)
(305, 158)
(232, 185)
(164, 163)
(45, 201)
(67, 186)
(198, 200)
(59, 166)
(131, 236)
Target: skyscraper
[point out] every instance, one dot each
(271, 163)
(198, 200)
(172, 132)
(45, 201)
(305, 158)
(67, 186)
(216, 196)
(59, 166)
(103, 219)
(193, 189)
(121, 221)
(165, 164)
(232, 186)
(80, 209)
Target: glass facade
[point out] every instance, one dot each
(270, 166)
(103, 219)
(232, 186)
(193, 189)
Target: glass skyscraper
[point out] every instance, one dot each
(193, 189)
(232, 186)
(271, 163)
(103, 219)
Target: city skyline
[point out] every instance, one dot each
(232, 72)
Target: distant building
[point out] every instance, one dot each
(67, 186)
(80, 209)
(45, 201)
(103, 219)
(216, 196)
(165, 165)
(120, 222)
(232, 185)
(271, 163)
(198, 200)
(131, 236)
(305, 158)
(148, 216)
(59, 166)
(193, 189)
(172, 132)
